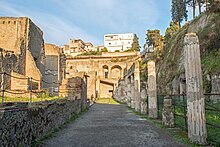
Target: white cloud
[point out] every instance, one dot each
(79, 18)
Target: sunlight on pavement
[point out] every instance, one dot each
(106, 101)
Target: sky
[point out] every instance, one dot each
(89, 20)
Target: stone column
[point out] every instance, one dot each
(152, 90)
(97, 87)
(215, 81)
(132, 92)
(122, 91)
(143, 101)
(129, 92)
(137, 97)
(167, 115)
(195, 98)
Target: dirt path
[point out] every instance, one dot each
(110, 125)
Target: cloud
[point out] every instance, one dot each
(56, 30)
(112, 16)
(87, 19)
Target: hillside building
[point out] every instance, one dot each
(118, 42)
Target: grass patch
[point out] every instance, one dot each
(26, 99)
(53, 133)
(211, 62)
(106, 101)
(176, 133)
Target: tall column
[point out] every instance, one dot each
(137, 96)
(137, 87)
(129, 92)
(152, 90)
(195, 98)
(132, 92)
(143, 101)
(97, 87)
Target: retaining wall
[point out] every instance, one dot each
(21, 125)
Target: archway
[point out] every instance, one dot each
(116, 72)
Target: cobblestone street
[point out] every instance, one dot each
(110, 125)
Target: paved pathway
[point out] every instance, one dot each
(110, 125)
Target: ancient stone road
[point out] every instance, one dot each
(110, 125)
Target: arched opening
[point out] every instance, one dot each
(116, 72)
(105, 71)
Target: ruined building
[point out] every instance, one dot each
(77, 46)
(22, 52)
(55, 64)
(103, 71)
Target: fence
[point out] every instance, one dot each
(26, 94)
(179, 108)
(212, 110)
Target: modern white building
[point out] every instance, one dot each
(118, 42)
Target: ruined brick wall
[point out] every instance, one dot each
(23, 47)
(52, 66)
(13, 31)
(74, 88)
(13, 35)
(36, 45)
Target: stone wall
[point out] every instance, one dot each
(21, 126)
(36, 45)
(54, 67)
(129, 91)
(19, 84)
(22, 48)
(74, 88)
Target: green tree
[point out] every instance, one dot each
(135, 45)
(171, 30)
(155, 39)
(179, 11)
(104, 49)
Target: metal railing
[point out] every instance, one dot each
(212, 111)
(179, 108)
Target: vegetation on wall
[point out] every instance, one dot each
(94, 52)
(170, 65)
(171, 30)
